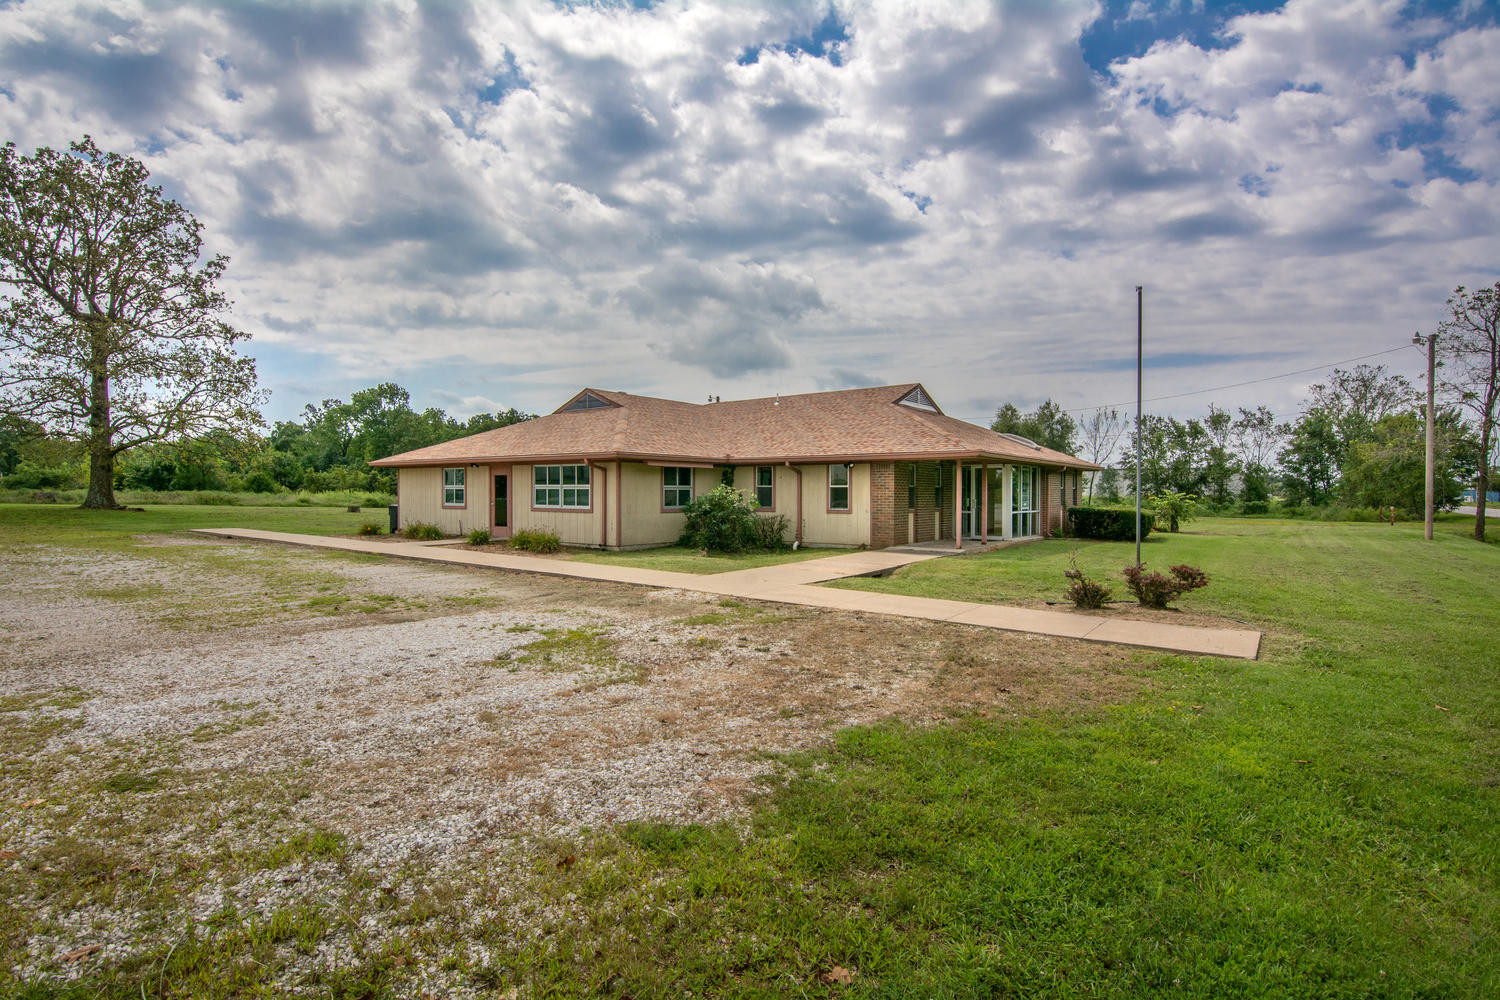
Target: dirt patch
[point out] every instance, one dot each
(225, 695)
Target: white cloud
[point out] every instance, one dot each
(691, 199)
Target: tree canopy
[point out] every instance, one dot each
(1048, 425)
(112, 328)
(1469, 343)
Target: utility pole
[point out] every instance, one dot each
(1138, 341)
(1431, 341)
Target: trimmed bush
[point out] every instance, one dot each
(1085, 594)
(479, 536)
(1154, 590)
(536, 541)
(1109, 524)
(421, 531)
(370, 528)
(721, 520)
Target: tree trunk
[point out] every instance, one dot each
(101, 495)
(1486, 430)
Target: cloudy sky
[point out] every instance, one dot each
(494, 205)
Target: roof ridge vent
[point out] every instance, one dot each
(917, 397)
(1018, 439)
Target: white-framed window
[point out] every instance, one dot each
(765, 487)
(565, 486)
(676, 487)
(453, 487)
(838, 487)
(1024, 502)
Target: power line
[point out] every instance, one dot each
(1253, 381)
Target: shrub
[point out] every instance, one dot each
(32, 476)
(1085, 594)
(1154, 590)
(536, 541)
(1109, 524)
(770, 532)
(479, 536)
(1176, 508)
(421, 531)
(260, 481)
(1255, 507)
(370, 528)
(722, 520)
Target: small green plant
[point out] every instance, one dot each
(1176, 508)
(1154, 590)
(370, 528)
(535, 541)
(479, 536)
(421, 531)
(1086, 594)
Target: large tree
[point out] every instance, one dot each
(1099, 436)
(1048, 425)
(1469, 344)
(112, 326)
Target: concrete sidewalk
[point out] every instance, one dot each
(793, 583)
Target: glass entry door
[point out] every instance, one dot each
(973, 498)
(500, 501)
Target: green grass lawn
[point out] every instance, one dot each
(1318, 823)
(1321, 822)
(678, 559)
(57, 523)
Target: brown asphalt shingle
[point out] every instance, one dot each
(849, 424)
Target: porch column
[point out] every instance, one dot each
(958, 504)
(984, 503)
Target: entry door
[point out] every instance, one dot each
(973, 497)
(500, 527)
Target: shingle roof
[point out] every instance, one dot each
(849, 424)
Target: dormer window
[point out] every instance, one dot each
(587, 401)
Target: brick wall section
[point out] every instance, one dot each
(926, 473)
(887, 509)
(1052, 510)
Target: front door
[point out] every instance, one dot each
(500, 527)
(972, 499)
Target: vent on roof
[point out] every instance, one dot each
(918, 398)
(588, 401)
(1018, 439)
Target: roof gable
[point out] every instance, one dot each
(588, 399)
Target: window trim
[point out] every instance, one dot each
(848, 487)
(692, 485)
(755, 470)
(461, 487)
(560, 508)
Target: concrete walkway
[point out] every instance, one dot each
(793, 583)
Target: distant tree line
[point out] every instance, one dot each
(325, 451)
(1358, 440)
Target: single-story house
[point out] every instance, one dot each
(857, 467)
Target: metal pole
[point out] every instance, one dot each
(1138, 425)
(1431, 428)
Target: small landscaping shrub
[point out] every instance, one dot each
(770, 532)
(421, 531)
(1154, 590)
(722, 520)
(479, 536)
(370, 528)
(1085, 594)
(536, 541)
(1109, 524)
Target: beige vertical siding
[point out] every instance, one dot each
(419, 492)
(823, 528)
(644, 522)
